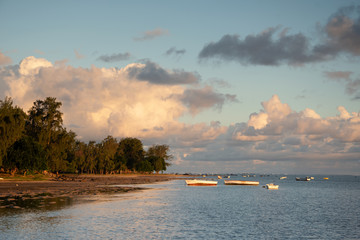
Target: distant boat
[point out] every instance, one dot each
(303, 179)
(238, 182)
(199, 182)
(283, 177)
(271, 186)
(326, 178)
(219, 177)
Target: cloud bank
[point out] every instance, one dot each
(275, 46)
(280, 139)
(139, 100)
(146, 101)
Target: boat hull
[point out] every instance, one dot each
(236, 182)
(196, 182)
(306, 179)
(271, 186)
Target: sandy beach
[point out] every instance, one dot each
(75, 185)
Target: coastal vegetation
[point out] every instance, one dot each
(37, 141)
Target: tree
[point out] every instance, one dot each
(12, 125)
(44, 124)
(145, 166)
(108, 149)
(90, 157)
(26, 154)
(158, 156)
(45, 120)
(131, 149)
(79, 156)
(60, 150)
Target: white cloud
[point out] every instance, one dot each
(32, 65)
(106, 101)
(102, 101)
(280, 138)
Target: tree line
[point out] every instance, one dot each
(38, 141)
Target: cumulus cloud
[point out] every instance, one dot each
(107, 101)
(148, 35)
(275, 46)
(102, 101)
(278, 129)
(115, 57)
(4, 60)
(352, 84)
(278, 137)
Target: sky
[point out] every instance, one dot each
(231, 86)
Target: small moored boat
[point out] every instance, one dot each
(271, 186)
(200, 182)
(238, 182)
(303, 179)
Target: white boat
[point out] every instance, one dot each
(238, 182)
(200, 182)
(283, 178)
(271, 186)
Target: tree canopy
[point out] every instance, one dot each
(38, 141)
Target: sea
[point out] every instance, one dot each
(318, 209)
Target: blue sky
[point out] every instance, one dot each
(232, 85)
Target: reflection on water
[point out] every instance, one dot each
(12, 205)
(298, 210)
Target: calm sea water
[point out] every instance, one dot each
(319, 209)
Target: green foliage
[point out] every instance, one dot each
(133, 152)
(45, 120)
(12, 124)
(26, 154)
(158, 156)
(145, 166)
(38, 141)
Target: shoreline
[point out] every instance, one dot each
(13, 192)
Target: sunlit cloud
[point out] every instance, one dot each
(4, 60)
(138, 101)
(288, 138)
(106, 101)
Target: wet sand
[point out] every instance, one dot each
(75, 185)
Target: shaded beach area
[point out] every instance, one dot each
(15, 190)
